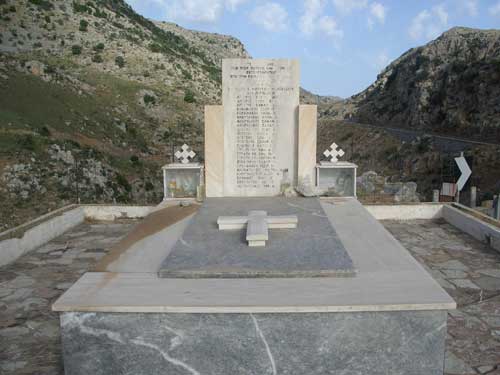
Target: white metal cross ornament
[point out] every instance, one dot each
(185, 155)
(334, 153)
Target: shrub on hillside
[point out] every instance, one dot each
(81, 8)
(186, 74)
(123, 182)
(149, 99)
(49, 69)
(27, 142)
(83, 26)
(44, 131)
(99, 47)
(120, 61)
(100, 13)
(189, 97)
(155, 47)
(76, 50)
(97, 58)
(44, 4)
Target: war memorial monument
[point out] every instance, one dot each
(264, 276)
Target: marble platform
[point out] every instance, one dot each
(388, 319)
(313, 249)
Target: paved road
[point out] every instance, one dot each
(447, 143)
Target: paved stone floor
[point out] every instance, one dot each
(29, 333)
(470, 273)
(29, 330)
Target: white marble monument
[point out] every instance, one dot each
(260, 124)
(332, 292)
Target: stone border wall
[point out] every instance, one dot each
(20, 240)
(462, 218)
(421, 211)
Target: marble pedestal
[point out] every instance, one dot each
(375, 343)
(388, 319)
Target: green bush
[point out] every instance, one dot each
(186, 74)
(189, 97)
(97, 58)
(81, 8)
(123, 182)
(149, 99)
(100, 14)
(496, 65)
(134, 159)
(45, 132)
(155, 47)
(120, 61)
(27, 142)
(44, 4)
(84, 26)
(76, 50)
(99, 47)
(49, 69)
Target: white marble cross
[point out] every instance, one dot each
(333, 153)
(258, 224)
(185, 155)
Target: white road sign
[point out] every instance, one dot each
(466, 172)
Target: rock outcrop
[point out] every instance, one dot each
(450, 86)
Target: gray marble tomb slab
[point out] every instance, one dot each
(313, 249)
(375, 343)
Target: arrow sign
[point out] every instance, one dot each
(466, 172)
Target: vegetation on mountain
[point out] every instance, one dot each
(450, 86)
(89, 111)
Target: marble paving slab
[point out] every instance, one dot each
(313, 249)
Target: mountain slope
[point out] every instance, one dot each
(93, 98)
(450, 86)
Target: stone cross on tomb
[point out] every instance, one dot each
(334, 152)
(258, 225)
(185, 155)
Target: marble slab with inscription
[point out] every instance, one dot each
(260, 99)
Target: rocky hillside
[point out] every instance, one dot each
(93, 97)
(450, 86)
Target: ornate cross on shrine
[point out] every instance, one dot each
(185, 155)
(258, 225)
(334, 153)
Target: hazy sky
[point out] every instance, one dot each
(342, 44)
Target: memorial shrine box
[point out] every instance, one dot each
(182, 180)
(336, 178)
